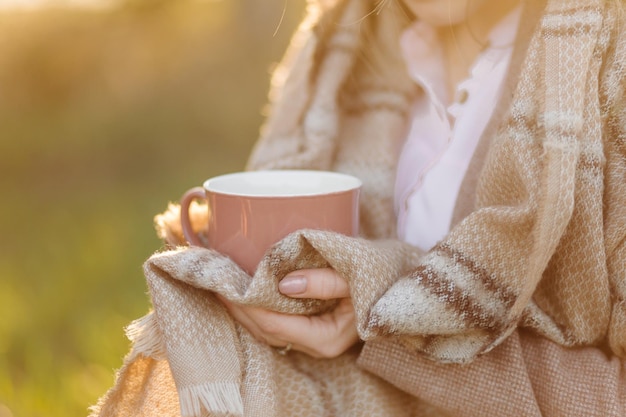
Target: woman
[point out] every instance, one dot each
(501, 126)
(440, 49)
(462, 29)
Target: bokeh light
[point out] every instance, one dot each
(106, 115)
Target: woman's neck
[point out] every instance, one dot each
(463, 42)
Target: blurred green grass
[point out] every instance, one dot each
(105, 117)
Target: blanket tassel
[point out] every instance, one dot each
(219, 397)
(146, 337)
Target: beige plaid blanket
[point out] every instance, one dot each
(542, 247)
(218, 368)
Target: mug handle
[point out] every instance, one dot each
(196, 193)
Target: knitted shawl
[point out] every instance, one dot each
(541, 247)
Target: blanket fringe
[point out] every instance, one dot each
(146, 337)
(219, 397)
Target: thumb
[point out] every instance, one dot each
(320, 283)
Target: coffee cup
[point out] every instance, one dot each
(252, 210)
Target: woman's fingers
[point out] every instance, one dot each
(323, 336)
(263, 324)
(320, 283)
(335, 332)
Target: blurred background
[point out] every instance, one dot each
(108, 111)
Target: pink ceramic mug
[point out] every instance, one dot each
(250, 211)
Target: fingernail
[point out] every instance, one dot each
(292, 285)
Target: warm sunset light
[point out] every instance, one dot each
(39, 4)
(109, 110)
(36, 4)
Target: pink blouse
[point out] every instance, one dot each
(444, 133)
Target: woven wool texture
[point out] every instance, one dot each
(541, 254)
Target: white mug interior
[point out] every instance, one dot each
(285, 183)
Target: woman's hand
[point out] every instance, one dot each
(323, 336)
